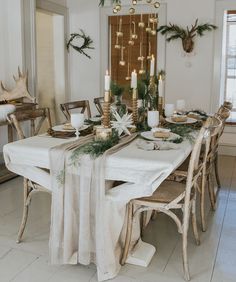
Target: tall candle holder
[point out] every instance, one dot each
(161, 105)
(135, 106)
(106, 110)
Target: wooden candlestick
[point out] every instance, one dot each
(161, 107)
(135, 106)
(106, 114)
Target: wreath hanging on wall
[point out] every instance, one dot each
(86, 44)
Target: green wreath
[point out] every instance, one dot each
(85, 45)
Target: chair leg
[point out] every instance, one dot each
(128, 234)
(211, 191)
(143, 222)
(194, 221)
(202, 203)
(217, 171)
(186, 215)
(25, 212)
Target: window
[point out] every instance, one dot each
(230, 63)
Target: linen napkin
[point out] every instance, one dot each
(156, 145)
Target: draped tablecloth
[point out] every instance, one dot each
(143, 171)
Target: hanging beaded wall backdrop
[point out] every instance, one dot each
(133, 40)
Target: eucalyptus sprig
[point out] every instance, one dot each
(85, 45)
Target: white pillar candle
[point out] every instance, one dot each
(107, 81)
(152, 66)
(161, 87)
(134, 80)
(180, 105)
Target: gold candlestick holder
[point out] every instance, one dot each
(135, 106)
(161, 105)
(106, 110)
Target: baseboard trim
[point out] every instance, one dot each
(227, 150)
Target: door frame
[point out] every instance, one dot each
(29, 40)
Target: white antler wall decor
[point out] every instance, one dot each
(20, 90)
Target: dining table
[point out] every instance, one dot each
(139, 171)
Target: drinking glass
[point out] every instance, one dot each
(180, 105)
(153, 118)
(77, 120)
(169, 110)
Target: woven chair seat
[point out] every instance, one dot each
(166, 193)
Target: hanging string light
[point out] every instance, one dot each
(118, 6)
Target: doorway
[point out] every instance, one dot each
(50, 46)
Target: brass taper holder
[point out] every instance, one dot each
(135, 106)
(106, 110)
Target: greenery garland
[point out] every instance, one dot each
(85, 45)
(183, 130)
(94, 148)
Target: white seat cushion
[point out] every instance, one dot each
(6, 110)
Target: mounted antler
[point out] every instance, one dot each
(186, 35)
(20, 90)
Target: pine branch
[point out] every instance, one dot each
(205, 27)
(85, 45)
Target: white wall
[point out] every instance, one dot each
(85, 73)
(10, 47)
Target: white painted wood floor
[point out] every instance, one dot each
(213, 261)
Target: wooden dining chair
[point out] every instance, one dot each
(170, 196)
(37, 117)
(98, 104)
(223, 114)
(83, 106)
(228, 105)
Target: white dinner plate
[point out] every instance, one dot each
(149, 136)
(188, 121)
(95, 119)
(61, 128)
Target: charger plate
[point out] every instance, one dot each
(188, 121)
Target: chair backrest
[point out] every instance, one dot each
(98, 103)
(228, 105)
(196, 167)
(36, 115)
(81, 105)
(223, 113)
(216, 128)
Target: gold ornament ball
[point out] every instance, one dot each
(131, 11)
(115, 11)
(118, 7)
(156, 5)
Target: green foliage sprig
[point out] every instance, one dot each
(94, 148)
(85, 45)
(116, 89)
(102, 2)
(183, 130)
